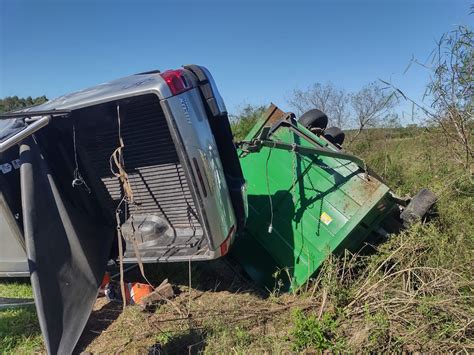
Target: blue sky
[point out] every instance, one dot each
(258, 51)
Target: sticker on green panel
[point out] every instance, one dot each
(325, 218)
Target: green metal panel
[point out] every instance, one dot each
(320, 205)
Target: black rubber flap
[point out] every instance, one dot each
(418, 207)
(67, 254)
(10, 127)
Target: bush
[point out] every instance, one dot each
(243, 122)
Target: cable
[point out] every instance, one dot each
(270, 226)
(78, 180)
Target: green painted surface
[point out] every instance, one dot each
(320, 205)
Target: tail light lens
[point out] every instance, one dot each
(176, 81)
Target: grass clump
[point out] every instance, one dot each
(311, 332)
(19, 328)
(19, 331)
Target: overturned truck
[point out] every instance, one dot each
(144, 169)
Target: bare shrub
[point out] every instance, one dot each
(328, 98)
(450, 93)
(372, 106)
(452, 89)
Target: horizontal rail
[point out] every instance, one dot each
(22, 114)
(314, 151)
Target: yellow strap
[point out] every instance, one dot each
(121, 174)
(120, 248)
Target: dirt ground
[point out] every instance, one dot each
(221, 311)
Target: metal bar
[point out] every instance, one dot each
(294, 128)
(10, 115)
(28, 131)
(317, 149)
(314, 150)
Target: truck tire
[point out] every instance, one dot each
(314, 119)
(335, 135)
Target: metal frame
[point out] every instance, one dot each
(6, 116)
(25, 133)
(43, 120)
(264, 140)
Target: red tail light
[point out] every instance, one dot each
(226, 244)
(176, 81)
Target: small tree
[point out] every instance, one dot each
(452, 89)
(325, 97)
(450, 92)
(11, 103)
(372, 105)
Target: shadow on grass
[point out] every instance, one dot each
(99, 321)
(192, 342)
(211, 276)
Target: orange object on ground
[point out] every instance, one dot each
(135, 291)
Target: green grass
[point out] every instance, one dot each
(310, 331)
(19, 288)
(19, 328)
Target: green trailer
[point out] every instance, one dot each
(306, 199)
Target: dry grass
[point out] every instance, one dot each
(393, 300)
(208, 317)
